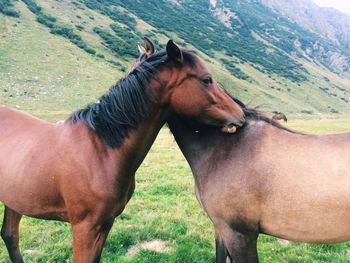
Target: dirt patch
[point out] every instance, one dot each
(156, 245)
(283, 242)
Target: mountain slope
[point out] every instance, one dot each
(333, 25)
(74, 50)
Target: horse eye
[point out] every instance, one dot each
(207, 81)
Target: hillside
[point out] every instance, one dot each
(58, 55)
(327, 22)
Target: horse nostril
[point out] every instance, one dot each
(241, 122)
(237, 123)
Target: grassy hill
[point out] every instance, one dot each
(58, 55)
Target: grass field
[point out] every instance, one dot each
(164, 208)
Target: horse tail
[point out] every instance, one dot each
(285, 118)
(221, 251)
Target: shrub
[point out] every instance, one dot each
(6, 7)
(307, 111)
(56, 28)
(123, 43)
(238, 73)
(89, 50)
(334, 111)
(80, 27)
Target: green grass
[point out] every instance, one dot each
(164, 207)
(321, 126)
(44, 73)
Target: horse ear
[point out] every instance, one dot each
(174, 52)
(148, 46)
(141, 49)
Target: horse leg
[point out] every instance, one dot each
(237, 246)
(221, 251)
(10, 234)
(88, 241)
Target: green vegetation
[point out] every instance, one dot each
(234, 70)
(122, 42)
(197, 26)
(6, 8)
(111, 11)
(47, 74)
(56, 28)
(321, 126)
(247, 59)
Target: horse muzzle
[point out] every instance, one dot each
(231, 127)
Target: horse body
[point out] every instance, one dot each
(17, 158)
(45, 163)
(69, 174)
(309, 180)
(268, 179)
(83, 170)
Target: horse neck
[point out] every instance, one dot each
(192, 144)
(139, 141)
(208, 148)
(124, 132)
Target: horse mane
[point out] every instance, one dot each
(254, 114)
(126, 104)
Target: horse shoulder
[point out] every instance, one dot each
(94, 170)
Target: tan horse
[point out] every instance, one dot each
(268, 179)
(83, 170)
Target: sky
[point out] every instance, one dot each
(342, 5)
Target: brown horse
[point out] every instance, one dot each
(280, 116)
(82, 171)
(268, 179)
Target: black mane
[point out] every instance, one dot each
(126, 104)
(253, 114)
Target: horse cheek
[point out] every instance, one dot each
(186, 104)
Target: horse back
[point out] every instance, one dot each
(27, 166)
(20, 133)
(11, 119)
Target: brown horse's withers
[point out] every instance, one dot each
(82, 171)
